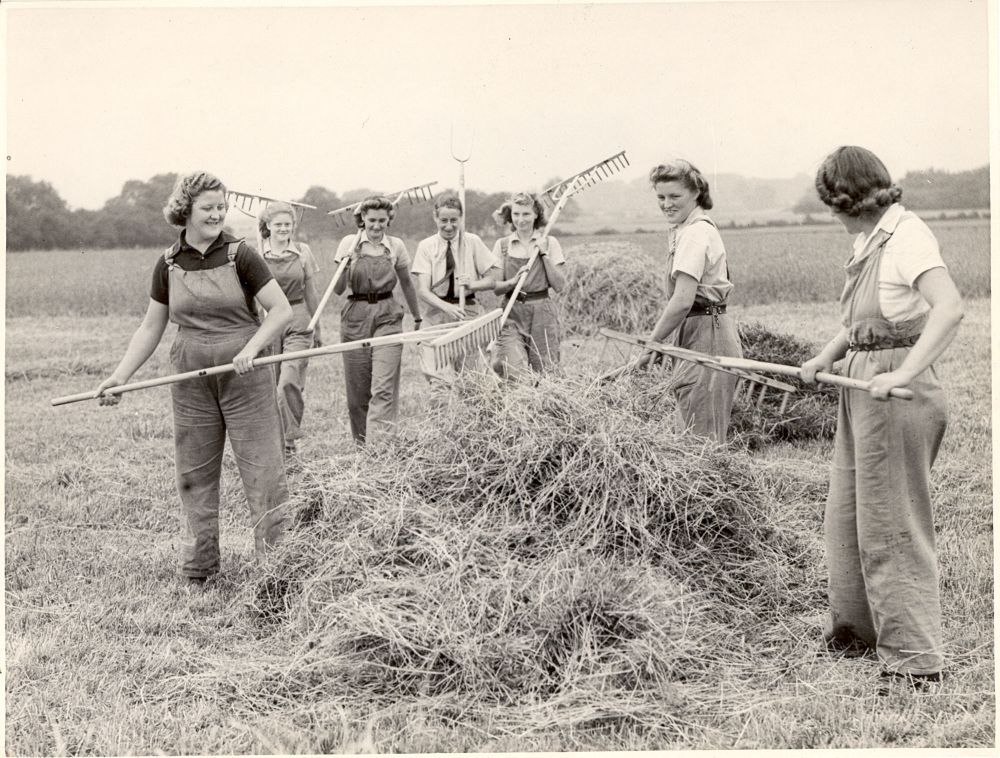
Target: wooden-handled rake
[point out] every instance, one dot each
(482, 332)
(345, 215)
(743, 368)
(403, 338)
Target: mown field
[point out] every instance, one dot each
(107, 653)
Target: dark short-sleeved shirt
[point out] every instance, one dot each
(251, 269)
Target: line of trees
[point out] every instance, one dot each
(39, 219)
(928, 190)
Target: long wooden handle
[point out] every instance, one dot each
(821, 376)
(342, 347)
(329, 291)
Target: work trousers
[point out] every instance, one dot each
(705, 397)
(879, 529)
(372, 374)
(292, 374)
(206, 409)
(529, 340)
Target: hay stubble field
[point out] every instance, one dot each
(540, 569)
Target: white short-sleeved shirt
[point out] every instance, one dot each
(910, 251)
(472, 259)
(699, 253)
(536, 280)
(397, 249)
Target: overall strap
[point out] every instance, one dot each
(170, 253)
(231, 249)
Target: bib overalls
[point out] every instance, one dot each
(530, 336)
(371, 374)
(214, 324)
(289, 271)
(879, 529)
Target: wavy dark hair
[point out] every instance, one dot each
(502, 214)
(187, 188)
(270, 211)
(374, 203)
(448, 200)
(683, 171)
(853, 181)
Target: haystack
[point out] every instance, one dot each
(554, 550)
(613, 285)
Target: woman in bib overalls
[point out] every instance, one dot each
(206, 284)
(294, 267)
(377, 262)
(900, 310)
(697, 287)
(530, 337)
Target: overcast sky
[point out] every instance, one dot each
(274, 100)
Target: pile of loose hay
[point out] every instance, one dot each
(537, 555)
(614, 285)
(811, 412)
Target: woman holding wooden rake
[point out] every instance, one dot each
(294, 267)
(530, 337)
(697, 286)
(376, 263)
(206, 283)
(900, 310)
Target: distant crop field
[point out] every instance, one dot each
(805, 264)
(802, 264)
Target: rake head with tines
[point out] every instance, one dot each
(586, 178)
(438, 355)
(421, 193)
(252, 204)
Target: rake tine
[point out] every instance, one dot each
(784, 403)
(760, 397)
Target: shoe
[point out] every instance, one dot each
(195, 582)
(916, 682)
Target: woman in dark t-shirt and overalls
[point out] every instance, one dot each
(206, 283)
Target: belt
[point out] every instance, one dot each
(706, 309)
(296, 302)
(470, 300)
(369, 297)
(886, 344)
(527, 297)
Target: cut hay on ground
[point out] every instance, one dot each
(532, 558)
(811, 412)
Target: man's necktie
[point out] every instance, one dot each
(449, 263)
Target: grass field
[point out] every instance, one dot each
(108, 654)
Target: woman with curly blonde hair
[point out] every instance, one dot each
(900, 310)
(295, 270)
(377, 263)
(529, 340)
(206, 283)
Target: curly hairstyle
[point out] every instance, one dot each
(374, 203)
(502, 214)
(269, 211)
(853, 181)
(186, 190)
(448, 200)
(686, 173)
